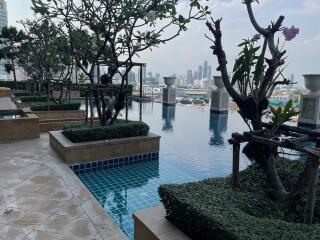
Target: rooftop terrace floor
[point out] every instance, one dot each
(41, 198)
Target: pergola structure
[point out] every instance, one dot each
(291, 138)
(111, 90)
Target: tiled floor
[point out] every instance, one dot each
(41, 198)
(6, 103)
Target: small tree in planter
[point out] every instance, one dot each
(45, 56)
(10, 41)
(115, 32)
(257, 71)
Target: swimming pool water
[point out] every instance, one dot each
(193, 147)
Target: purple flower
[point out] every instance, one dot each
(256, 36)
(290, 33)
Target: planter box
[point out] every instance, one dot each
(125, 150)
(24, 127)
(5, 92)
(66, 114)
(151, 224)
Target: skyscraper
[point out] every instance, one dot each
(195, 76)
(200, 72)
(3, 23)
(205, 69)
(3, 14)
(209, 72)
(189, 77)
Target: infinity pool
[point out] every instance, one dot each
(193, 147)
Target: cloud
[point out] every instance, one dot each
(312, 40)
(306, 8)
(311, 7)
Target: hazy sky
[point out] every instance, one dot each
(191, 48)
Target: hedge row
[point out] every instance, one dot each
(23, 85)
(30, 99)
(117, 130)
(212, 209)
(54, 107)
(10, 84)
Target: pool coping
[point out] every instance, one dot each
(102, 220)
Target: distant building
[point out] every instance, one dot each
(3, 23)
(200, 72)
(189, 77)
(209, 72)
(205, 69)
(131, 77)
(3, 14)
(195, 75)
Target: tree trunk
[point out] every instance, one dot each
(266, 156)
(14, 75)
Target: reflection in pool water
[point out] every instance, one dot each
(218, 125)
(189, 151)
(168, 115)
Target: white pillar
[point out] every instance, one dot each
(169, 93)
(310, 103)
(219, 97)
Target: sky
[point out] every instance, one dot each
(191, 48)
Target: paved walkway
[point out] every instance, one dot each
(6, 103)
(41, 198)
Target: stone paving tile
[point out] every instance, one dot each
(12, 233)
(41, 198)
(6, 103)
(75, 227)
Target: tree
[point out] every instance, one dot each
(115, 32)
(257, 71)
(10, 40)
(45, 55)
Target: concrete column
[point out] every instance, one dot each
(219, 97)
(169, 93)
(310, 103)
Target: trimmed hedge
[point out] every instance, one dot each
(30, 99)
(117, 130)
(54, 107)
(212, 209)
(22, 94)
(20, 85)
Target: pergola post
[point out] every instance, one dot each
(126, 96)
(87, 104)
(236, 164)
(312, 188)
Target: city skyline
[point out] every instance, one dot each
(192, 46)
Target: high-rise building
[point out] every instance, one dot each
(189, 77)
(205, 69)
(3, 14)
(200, 72)
(3, 23)
(209, 72)
(195, 75)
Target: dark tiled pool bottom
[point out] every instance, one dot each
(122, 191)
(113, 163)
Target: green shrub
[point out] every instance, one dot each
(117, 130)
(30, 99)
(54, 107)
(10, 84)
(212, 209)
(21, 93)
